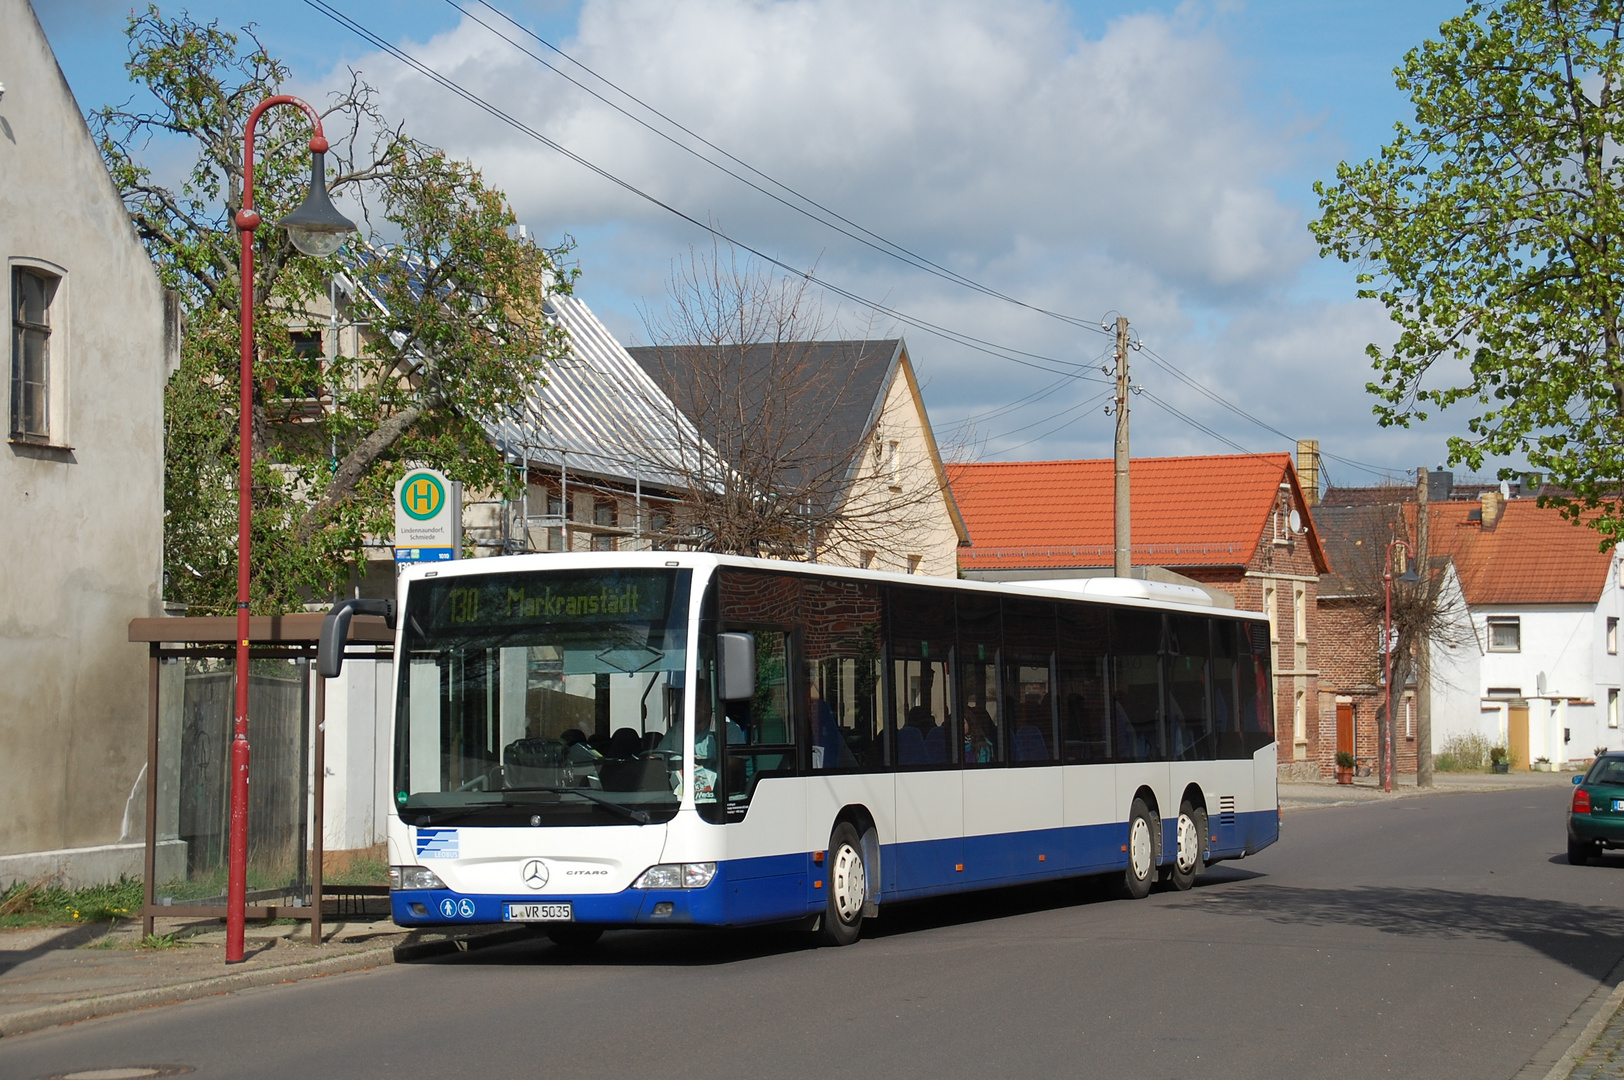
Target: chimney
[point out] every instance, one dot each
(1491, 508)
(1308, 469)
(1440, 485)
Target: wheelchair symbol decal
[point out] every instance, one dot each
(466, 908)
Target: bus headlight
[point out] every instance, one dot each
(413, 877)
(676, 876)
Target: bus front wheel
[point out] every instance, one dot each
(846, 887)
(1141, 870)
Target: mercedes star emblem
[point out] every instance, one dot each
(535, 874)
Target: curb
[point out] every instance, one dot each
(1602, 1003)
(69, 1012)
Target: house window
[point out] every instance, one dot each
(1271, 608)
(555, 539)
(1612, 636)
(1409, 717)
(32, 294)
(659, 522)
(1299, 611)
(1505, 691)
(913, 564)
(891, 468)
(556, 507)
(865, 559)
(603, 512)
(1612, 708)
(603, 543)
(1505, 633)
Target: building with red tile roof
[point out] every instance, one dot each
(1540, 666)
(1238, 523)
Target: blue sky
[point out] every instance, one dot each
(1154, 159)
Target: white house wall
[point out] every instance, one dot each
(83, 527)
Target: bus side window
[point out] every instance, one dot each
(1189, 715)
(1225, 707)
(921, 625)
(983, 714)
(841, 638)
(1085, 728)
(1029, 681)
(1136, 689)
(1256, 687)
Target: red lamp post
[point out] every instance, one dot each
(1409, 577)
(315, 228)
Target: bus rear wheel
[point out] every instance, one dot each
(1141, 870)
(1192, 831)
(846, 887)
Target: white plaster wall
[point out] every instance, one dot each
(1556, 641)
(83, 524)
(358, 757)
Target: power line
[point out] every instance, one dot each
(1003, 352)
(1038, 361)
(845, 225)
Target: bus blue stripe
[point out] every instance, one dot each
(775, 888)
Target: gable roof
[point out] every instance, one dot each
(845, 389)
(1532, 555)
(1186, 511)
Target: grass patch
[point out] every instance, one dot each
(159, 941)
(1447, 762)
(43, 903)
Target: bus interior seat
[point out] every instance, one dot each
(910, 747)
(1030, 744)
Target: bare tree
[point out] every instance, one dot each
(779, 445)
(1425, 614)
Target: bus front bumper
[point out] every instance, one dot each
(629, 907)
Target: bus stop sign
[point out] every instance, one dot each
(428, 517)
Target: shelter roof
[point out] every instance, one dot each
(301, 628)
(1186, 511)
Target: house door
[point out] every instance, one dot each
(1344, 727)
(1522, 749)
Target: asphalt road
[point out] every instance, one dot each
(1429, 937)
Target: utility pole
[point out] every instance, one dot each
(1423, 657)
(1124, 547)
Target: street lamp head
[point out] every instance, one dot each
(1409, 577)
(315, 226)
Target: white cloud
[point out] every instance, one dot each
(1125, 172)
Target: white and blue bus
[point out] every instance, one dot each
(587, 741)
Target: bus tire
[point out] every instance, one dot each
(1140, 873)
(1192, 834)
(573, 935)
(845, 888)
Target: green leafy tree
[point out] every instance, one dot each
(1492, 230)
(452, 297)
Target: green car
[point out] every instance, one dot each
(1596, 816)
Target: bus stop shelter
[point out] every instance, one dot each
(190, 695)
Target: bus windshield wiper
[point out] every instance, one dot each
(586, 793)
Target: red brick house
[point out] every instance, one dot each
(1236, 523)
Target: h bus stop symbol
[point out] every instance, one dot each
(428, 517)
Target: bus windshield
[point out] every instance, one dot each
(542, 698)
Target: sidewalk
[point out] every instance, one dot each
(60, 975)
(1321, 793)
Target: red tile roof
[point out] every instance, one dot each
(1188, 511)
(1530, 556)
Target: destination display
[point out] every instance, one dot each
(541, 598)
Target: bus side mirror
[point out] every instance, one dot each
(736, 666)
(335, 631)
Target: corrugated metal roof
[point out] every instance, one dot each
(598, 412)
